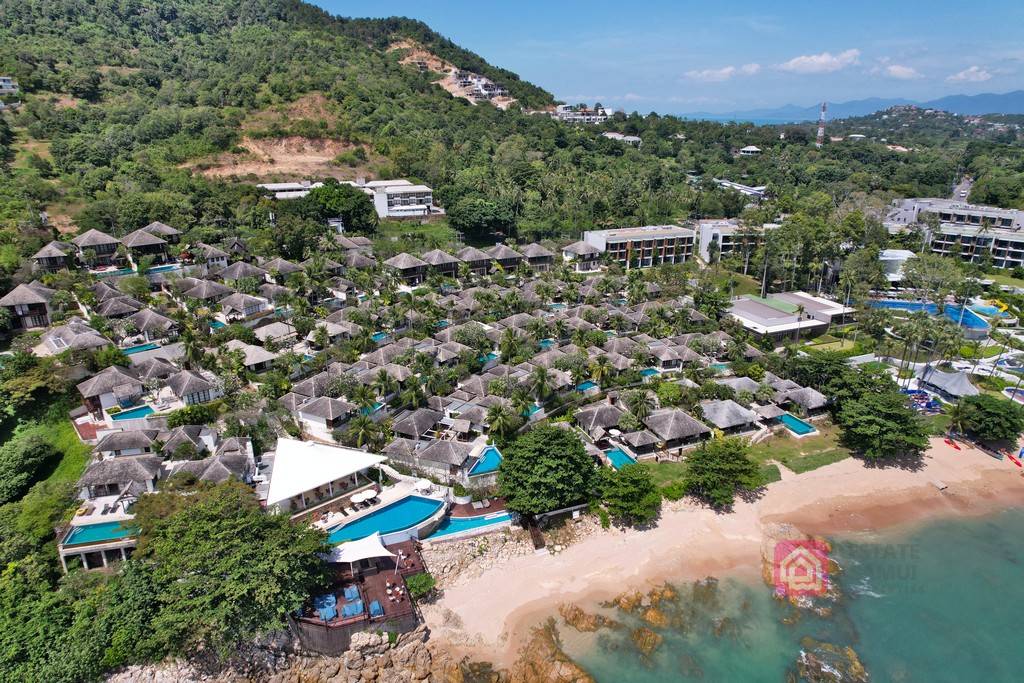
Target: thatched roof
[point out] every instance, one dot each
(417, 423)
(123, 441)
(106, 380)
(123, 470)
(436, 257)
(727, 414)
(472, 254)
(187, 382)
(26, 294)
(142, 238)
(405, 261)
(671, 424)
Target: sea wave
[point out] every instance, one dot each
(863, 588)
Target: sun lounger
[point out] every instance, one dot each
(376, 610)
(477, 505)
(352, 609)
(351, 593)
(486, 503)
(328, 612)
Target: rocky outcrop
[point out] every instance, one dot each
(474, 556)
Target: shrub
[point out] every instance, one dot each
(674, 491)
(420, 585)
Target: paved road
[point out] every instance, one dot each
(962, 190)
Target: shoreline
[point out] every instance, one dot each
(488, 616)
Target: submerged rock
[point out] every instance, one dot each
(542, 660)
(646, 640)
(689, 667)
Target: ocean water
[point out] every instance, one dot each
(942, 602)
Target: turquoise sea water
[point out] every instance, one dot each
(937, 603)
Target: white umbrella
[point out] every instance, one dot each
(423, 485)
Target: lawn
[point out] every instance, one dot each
(48, 418)
(803, 455)
(436, 230)
(75, 454)
(1004, 279)
(742, 284)
(938, 425)
(837, 345)
(665, 473)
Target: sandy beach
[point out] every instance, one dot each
(486, 616)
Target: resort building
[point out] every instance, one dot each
(96, 249)
(399, 198)
(750, 151)
(570, 114)
(29, 305)
(54, 256)
(538, 258)
(757, 192)
(292, 190)
(8, 86)
(633, 140)
(729, 236)
(584, 257)
(442, 263)
(410, 270)
(643, 247)
(307, 474)
(787, 314)
(479, 263)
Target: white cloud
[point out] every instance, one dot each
(974, 74)
(723, 74)
(901, 72)
(824, 63)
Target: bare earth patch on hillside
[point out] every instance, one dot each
(284, 158)
(312, 106)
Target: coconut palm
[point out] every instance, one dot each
(639, 403)
(508, 345)
(600, 368)
(361, 430)
(384, 384)
(364, 397)
(500, 420)
(540, 383)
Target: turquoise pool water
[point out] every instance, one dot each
(376, 406)
(442, 324)
(970, 319)
(795, 424)
(216, 325)
(586, 386)
(649, 372)
(547, 343)
(531, 410)
(489, 461)
(379, 336)
(96, 533)
(488, 358)
(556, 307)
(719, 367)
(164, 269)
(133, 413)
(398, 516)
(619, 458)
(115, 273)
(140, 348)
(454, 525)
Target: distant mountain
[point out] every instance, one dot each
(985, 103)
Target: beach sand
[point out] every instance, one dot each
(486, 617)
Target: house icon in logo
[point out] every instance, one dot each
(801, 567)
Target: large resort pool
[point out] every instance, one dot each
(458, 525)
(970, 319)
(398, 516)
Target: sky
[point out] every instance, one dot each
(685, 56)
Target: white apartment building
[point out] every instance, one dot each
(570, 114)
(400, 198)
(757, 192)
(730, 235)
(646, 246)
(8, 86)
(967, 230)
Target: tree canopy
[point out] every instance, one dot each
(546, 469)
(720, 467)
(992, 419)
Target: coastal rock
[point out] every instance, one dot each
(582, 621)
(655, 617)
(821, 662)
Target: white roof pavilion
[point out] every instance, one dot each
(363, 549)
(302, 466)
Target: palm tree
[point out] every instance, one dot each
(508, 345)
(540, 383)
(799, 319)
(384, 384)
(361, 430)
(364, 397)
(639, 403)
(600, 368)
(413, 397)
(957, 419)
(193, 350)
(500, 420)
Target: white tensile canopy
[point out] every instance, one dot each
(302, 466)
(363, 549)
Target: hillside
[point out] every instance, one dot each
(170, 111)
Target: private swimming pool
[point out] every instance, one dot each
(619, 458)
(546, 343)
(398, 516)
(489, 461)
(487, 358)
(216, 324)
(796, 425)
(373, 409)
(649, 372)
(534, 408)
(378, 337)
(140, 348)
(719, 367)
(586, 386)
(454, 525)
(133, 413)
(971, 320)
(96, 533)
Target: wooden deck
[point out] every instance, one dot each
(373, 585)
(497, 505)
